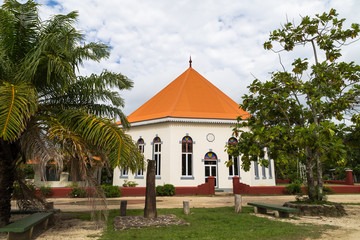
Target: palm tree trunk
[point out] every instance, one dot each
(7, 176)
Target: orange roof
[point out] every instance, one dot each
(189, 96)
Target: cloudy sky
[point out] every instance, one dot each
(152, 40)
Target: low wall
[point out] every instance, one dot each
(346, 189)
(61, 192)
(241, 188)
(335, 182)
(282, 181)
(207, 188)
(287, 181)
(186, 191)
(132, 191)
(349, 179)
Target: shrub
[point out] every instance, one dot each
(328, 190)
(111, 191)
(165, 190)
(78, 192)
(29, 172)
(294, 188)
(130, 183)
(72, 185)
(45, 191)
(324, 198)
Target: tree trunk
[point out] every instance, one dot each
(7, 177)
(320, 179)
(150, 199)
(310, 178)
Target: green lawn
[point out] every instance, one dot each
(215, 223)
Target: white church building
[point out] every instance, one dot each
(185, 128)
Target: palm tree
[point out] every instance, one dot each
(47, 111)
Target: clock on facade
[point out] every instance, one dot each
(210, 137)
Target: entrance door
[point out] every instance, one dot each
(211, 170)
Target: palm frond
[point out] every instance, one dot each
(104, 134)
(80, 153)
(6, 67)
(110, 79)
(17, 104)
(47, 64)
(60, 22)
(77, 151)
(51, 59)
(18, 27)
(92, 94)
(35, 144)
(92, 51)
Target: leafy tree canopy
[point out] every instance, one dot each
(293, 115)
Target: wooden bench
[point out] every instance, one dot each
(23, 228)
(18, 211)
(279, 211)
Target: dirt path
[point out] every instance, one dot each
(68, 228)
(346, 227)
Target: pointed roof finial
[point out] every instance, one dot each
(190, 61)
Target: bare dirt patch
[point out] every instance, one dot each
(66, 227)
(345, 227)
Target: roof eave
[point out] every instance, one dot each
(184, 120)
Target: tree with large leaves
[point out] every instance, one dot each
(293, 115)
(47, 111)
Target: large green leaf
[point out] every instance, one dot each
(76, 127)
(17, 104)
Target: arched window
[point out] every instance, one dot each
(124, 172)
(210, 162)
(234, 169)
(263, 168)
(186, 158)
(256, 169)
(270, 170)
(210, 156)
(141, 146)
(157, 155)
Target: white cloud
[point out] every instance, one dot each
(152, 40)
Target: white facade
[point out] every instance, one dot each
(208, 135)
(61, 180)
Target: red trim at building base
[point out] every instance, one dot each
(207, 188)
(241, 188)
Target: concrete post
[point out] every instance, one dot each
(238, 203)
(186, 207)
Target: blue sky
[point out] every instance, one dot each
(152, 40)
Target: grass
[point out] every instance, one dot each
(214, 223)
